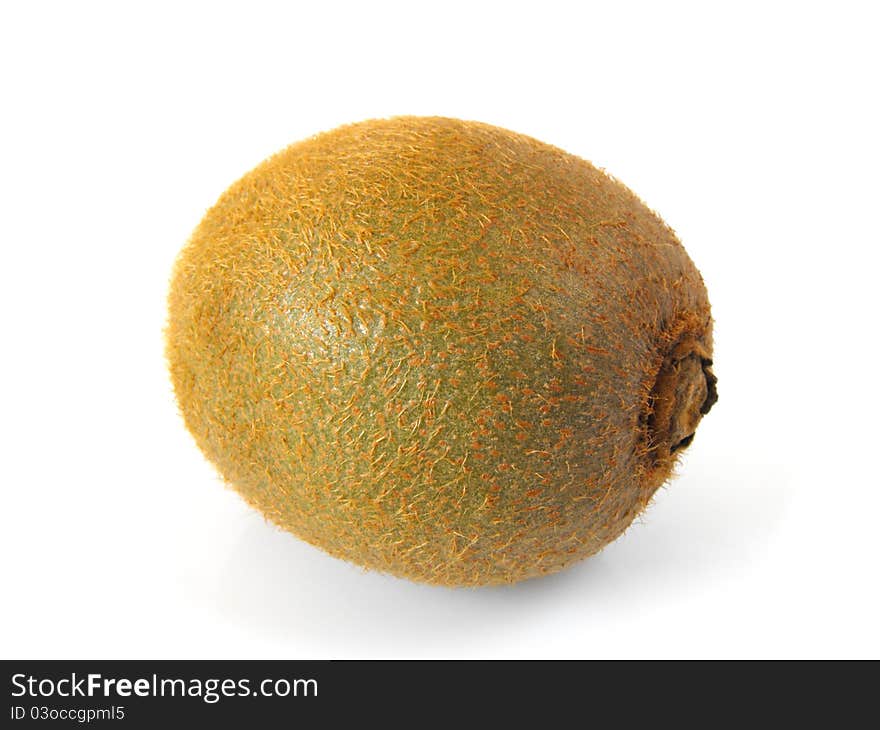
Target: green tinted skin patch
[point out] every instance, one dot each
(440, 349)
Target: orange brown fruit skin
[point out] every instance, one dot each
(429, 347)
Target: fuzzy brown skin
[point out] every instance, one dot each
(439, 349)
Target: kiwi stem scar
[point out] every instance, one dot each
(684, 391)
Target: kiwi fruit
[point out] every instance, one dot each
(439, 349)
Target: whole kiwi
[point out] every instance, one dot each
(439, 349)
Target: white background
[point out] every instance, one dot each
(752, 128)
